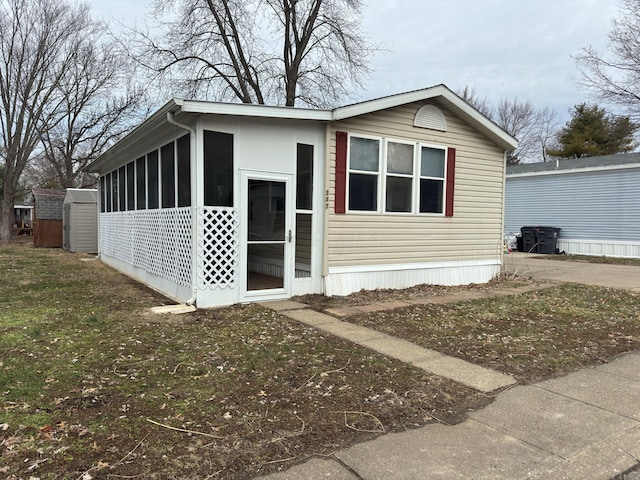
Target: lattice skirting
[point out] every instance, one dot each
(156, 241)
(218, 247)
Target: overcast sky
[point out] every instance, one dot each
(501, 48)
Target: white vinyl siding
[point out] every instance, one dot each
(473, 233)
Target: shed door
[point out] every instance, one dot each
(267, 238)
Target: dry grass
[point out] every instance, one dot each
(92, 385)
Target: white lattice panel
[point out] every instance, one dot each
(218, 241)
(156, 241)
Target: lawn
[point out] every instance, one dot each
(93, 385)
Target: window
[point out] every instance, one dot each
(107, 192)
(131, 190)
(122, 190)
(399, 176)
(432, 176)
(184, 170)
(364, 170)
(218, 169)
(167, 157)
(393, 176)
(141, 184)
(152, 180)
(103, 194)
(114, 191)
(304, 207)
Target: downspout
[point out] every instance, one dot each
(194, 240)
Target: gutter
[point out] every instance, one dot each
(194, 246)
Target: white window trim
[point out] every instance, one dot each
(365, 172)
(386, 174)
(382, 175)
(419, 177)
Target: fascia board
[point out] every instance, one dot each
(252, 110)
(601, 168)
(145, 128)
(508, 141)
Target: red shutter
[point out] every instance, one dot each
(341, 172)
(451, 175)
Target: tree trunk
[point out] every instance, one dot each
(6, 214)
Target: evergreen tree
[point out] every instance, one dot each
(592, 132)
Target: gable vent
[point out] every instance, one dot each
(429, 116)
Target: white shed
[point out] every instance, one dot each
(80, 220)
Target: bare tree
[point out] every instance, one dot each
(533, 128)
(519, 119)
(616, 78)
(546, 134)
(283, 52)
(99, 104)
(469, 95)
(37, 40)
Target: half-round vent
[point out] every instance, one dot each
(429, 116)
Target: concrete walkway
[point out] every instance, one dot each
(599, 274)
(458, 370)
(585, 425)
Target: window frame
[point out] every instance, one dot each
(420, 177)
(383, 174)
(412, 176)
(378, 174)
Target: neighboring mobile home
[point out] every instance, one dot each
(595, 201)
(218, 203)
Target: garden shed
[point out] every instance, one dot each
(47, 225)
(595, 201)
(216, 203)
(80, 220)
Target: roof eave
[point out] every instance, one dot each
(152, 122)
(504, 139)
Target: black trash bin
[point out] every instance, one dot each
(548, 239)
(540, 239)
(529, 241)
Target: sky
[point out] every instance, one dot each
(500, 48)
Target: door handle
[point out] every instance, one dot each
(290, 236)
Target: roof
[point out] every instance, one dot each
(44, 193)
(571, 165)
(80, 195)
(179, 108)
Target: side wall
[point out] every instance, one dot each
(399, 250)
(598, 212)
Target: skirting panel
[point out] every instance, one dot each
(601, 248)
(343, 281)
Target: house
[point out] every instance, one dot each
(595, 201)
(80, 220)
(47, 225)
(23, 218)
(218, 203)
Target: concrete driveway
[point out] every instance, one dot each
(542, 267)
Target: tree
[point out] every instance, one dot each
(99, 104)
(532, 127)
(469, 95)
(37, 40)
(616, 79)
(282, 52)
(593, 132)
